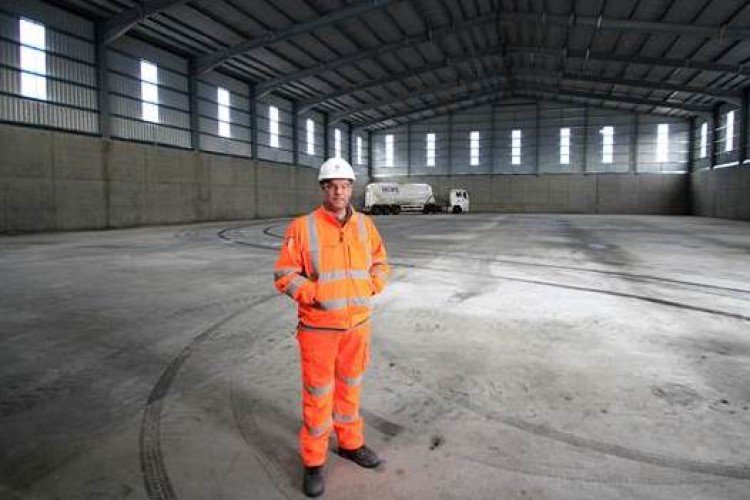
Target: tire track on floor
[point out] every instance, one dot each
(156, 478)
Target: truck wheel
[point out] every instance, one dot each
(395, 209)
(429, 209)
(456, 209)
(375, 210)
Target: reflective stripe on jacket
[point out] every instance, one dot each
(332, 271)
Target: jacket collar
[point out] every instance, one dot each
(331, 218)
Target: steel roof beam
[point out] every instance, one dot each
(119, 24)
(209, 61)
(653, 61)
(693, 109)
(450, 62)
(435, 33)
(458, 86)
(472, 100)
(727, 95)
(651, 27)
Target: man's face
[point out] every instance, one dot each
(336, 194)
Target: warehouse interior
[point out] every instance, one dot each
(581, 333)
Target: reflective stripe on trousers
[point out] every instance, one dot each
(331, 360)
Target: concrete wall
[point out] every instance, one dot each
(721, 192)
(53, 181)
(568, 193)
(58, 181)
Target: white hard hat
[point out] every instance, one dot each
(336, 168)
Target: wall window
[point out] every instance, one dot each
(337, 143)
(149, 92)
(273, 126)
(565, 146)
(359, 150)
(430, 150)
(515, 147)
(33, 59)
(662, 143)
(310, 130)
(474, 148)
(222, 97)
(729, 138)
(389, 150)
(608, 144)
(704, 140)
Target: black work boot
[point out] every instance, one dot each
(362, 456)
(313, 484)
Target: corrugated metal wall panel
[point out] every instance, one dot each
(463, 123)
(125, 94)
(71, 102)
(318, 137)
(678, 144)
(284, 152)
(720, 138)
(624, 128)
(76, 48)
(239, 116)
(344, 130)
(224, 146)
(553, 118)
(400, 152)
(167, 61)
(698, 161)
(50, 16)
(360, 167)
(149, 132)
(419, 130)
(508, 119)
(540, 141)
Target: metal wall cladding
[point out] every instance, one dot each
(624, 131)
(540, 127)
(317, 157)
(46, 114)
(678, 144)
(419, 165)
(209, 110)
(508, 119)
(175, 67)
(149, 132)
(400, 163)
(701, 162)
(720, 137)
(716, 139)
(51, 16)
(224, 146)
(359, 153)
(71, 102)
(282, 153)
(238, 143)
(552, 119)
(343, 129)
(463, 124)
(126, 107)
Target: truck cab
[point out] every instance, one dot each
(457, 200)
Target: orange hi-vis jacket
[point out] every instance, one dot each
(332, 270)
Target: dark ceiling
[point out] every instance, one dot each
(375, 63)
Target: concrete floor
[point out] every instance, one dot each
(513, 357)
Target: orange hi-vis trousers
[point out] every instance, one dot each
(333, 364)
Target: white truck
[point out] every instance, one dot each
(392, 198)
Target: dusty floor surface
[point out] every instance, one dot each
(513, 357)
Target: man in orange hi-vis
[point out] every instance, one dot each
(331, 263)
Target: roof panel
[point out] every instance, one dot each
(308, 65)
